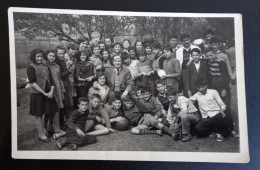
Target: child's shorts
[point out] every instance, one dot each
(147, 120)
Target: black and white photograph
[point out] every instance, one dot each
(109, 85)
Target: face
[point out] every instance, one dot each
(186, 42)
(173, 42)
(83, 45)
(101, 46)
(102, 80)
(60, 54)
(88, 47)
(160, 88)
(148, 50)
(146, 96)
(132, 53)
(72, 52)
(126, 44)
(96, 50)
(127, 61)
(83, 106)
(142, 57)
(117, 62)
(208, 37)
(83, 57)
(139, 45)
(168, 53)
(202, 89)
(172, 98)
(117, 104)
(108, 42)
(51, 57)
(117, 48)
(156, 51)
(215, 46)
(95, 103)
(105, 55)
(39, 58)
(210, 56)
(128, 104)
(195, 56)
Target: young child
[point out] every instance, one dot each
(99, 87)
(58, 93)
(64, 73)
(97, 117)
(39, 78)
(132, 53)
(148, 51)
(145, 76)
(84, 74)
(161, 96)
(101, 45)
(108, 43)
(115, 114)
(106, 58)
(172, 68)
(83, 42)
(138, 46)
(75, 135)
(117, 49)
(126, 44)
(96, 57)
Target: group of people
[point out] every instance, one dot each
(89, 89)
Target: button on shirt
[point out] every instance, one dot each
(209, 103)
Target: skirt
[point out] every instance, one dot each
(37, 104)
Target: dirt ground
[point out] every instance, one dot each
(119, 141)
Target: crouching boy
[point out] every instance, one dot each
(75, 135)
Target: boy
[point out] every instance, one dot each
(148, 51)
(142, 121)
(187, 114)
(108, 44)
(117, 49)
(101, 45)
(116, 115)
(75, 135)
(172, 68)
(96, 58)
(132, 53)
(131, 64)
(83, 42)
(159, 56)
(97, 116)
(173, 41)
(161, 96)
(208, 35)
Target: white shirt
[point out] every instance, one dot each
(132, 67)
(209, 103)
(197, 66)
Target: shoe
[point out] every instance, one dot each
(56, 136)
(186, 138)
(176, 136)
(159, 132)
(44, 139)
(72, 147)
(212, 135)
(219, 137)
(234, 135)
(60, 143)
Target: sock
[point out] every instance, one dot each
(144, 131)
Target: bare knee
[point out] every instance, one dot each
(135, 131)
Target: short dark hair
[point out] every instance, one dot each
(131, 48)
(215, 40)
(105, 49)
(185, 35)
(173, 36)
(111, 39)
(126, 40)
(129, 98)
(201, 82)
(79, 53)
(100, 73)
(94, 46)
(71, 46)
(145, 89)
(160, 81)
(83, 39)
(168, 47)
(101, 42)
(116, 97)
(48, 52)
(96, 96)
(148, 44)
(124, 55)
(83, 99)
(156, 45)
(171, 92)
(59, 47)
(207, 32)
(197, 50)
(207, 50)
(117, 43)
(34, 52)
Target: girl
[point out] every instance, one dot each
(148, 51)
(96, 58)
(138, 46)
(105, 58)
(126, 44)
(58, 93)
(132, 53)
(84, 74)
(99, 88)
(39, 78)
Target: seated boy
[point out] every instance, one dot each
(97, 116)
(75, 135)
(115, 114)
(142, 121)
(161, 96)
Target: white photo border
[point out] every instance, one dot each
(241, 157)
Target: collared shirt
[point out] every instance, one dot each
(209, 103)
(133, 68)
(197, 66)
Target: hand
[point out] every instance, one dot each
(223, 93)
(80, 132)
(223, 114)
(164, 113)
(50, 95)
(95, 85)
(45, 94)
(99, 120)
(189, 93)
(189, 63)
(124, 94)
(111, 130)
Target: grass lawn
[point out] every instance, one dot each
(119, 141)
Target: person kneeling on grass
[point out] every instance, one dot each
(183, 111)
(143, 121)
(97, 117)
(115, 114)
(75, 135)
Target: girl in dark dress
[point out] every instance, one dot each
(40, 80)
